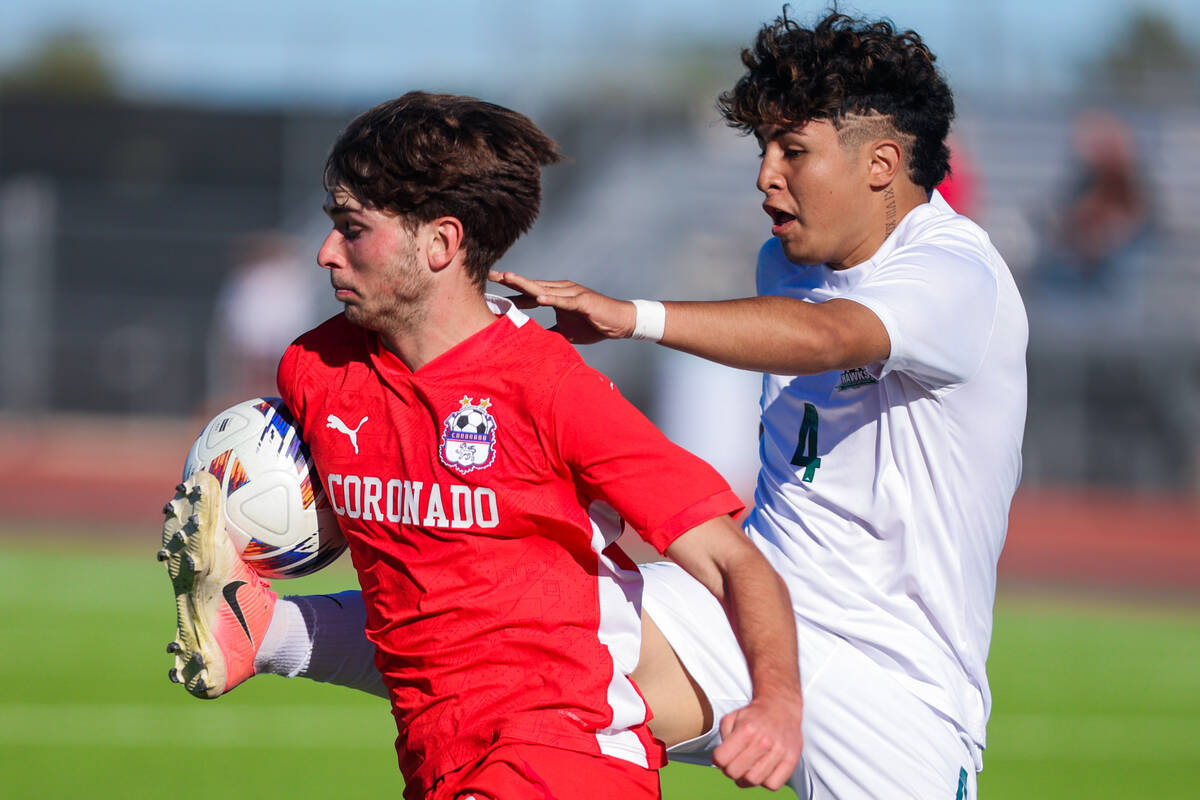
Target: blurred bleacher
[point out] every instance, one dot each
(118, 222)
(1114, 380)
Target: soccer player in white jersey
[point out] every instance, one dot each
(892, 338)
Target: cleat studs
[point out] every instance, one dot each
(174, 675)
(169, 510)
(181, 488)
(163, 555)
(201, 687)
(197, 660)
(174, 647)
(180, 538)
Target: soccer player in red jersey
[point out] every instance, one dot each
(481, 472)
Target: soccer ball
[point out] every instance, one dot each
(471, 421)
(276, 511)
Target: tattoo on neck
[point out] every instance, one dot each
(889, 225)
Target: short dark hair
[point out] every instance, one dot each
(841, 67)
(425, 156)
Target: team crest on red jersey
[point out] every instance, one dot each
(469, 436)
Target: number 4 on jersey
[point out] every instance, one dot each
(806, 444)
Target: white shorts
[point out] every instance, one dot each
(865, 736)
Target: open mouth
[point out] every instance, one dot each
(778, 218)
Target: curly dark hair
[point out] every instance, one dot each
(842, 67)
(426, 155)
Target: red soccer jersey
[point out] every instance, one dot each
(478, 497)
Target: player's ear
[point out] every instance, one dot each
(885, 161)
(445, 241)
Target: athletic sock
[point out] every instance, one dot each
(286, 647)
(321, 637)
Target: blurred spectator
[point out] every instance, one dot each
(266, 302)
(1095, 243)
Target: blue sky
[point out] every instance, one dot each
(301, 50)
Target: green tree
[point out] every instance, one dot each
(1149, 60)
(67, 63)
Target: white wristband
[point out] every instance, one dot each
(650, 322)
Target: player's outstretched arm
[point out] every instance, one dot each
(761, 741)
(583, 316)
(782, 335)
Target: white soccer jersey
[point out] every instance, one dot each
(884, 491)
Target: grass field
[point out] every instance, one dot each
(1091, 701)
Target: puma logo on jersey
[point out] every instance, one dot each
(335, 422)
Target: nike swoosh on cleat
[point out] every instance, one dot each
(230, 592)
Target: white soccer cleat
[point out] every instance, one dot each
(222, 607)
